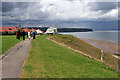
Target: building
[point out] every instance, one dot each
(26, 29)
(39, 32)
(51, 30)
(32, 29)
(9, 29)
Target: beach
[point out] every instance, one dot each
(103, 45)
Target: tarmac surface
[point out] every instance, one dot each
(13, 59)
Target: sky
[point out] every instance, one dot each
(61, 13)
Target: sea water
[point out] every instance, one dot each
(111, 36)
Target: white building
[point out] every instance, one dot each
(39, 31)
(52, 30)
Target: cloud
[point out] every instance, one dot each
(106, 6)
(112, 14)
(30, 11)
(21, 0)
(65, 10)
(52, 12)
(7, 7)
(94, 0)
(65, 0)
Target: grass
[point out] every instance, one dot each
(49, 60)
(81, 45)
(7, 42)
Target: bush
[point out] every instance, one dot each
(12, 33)
(8, 33)
(0, 33)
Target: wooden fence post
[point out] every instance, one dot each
(101, 55)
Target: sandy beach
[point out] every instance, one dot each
(103, 45)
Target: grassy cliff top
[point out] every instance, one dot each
(47, 59)
(80, 45)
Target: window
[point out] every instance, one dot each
(10, 29)
(2, 28)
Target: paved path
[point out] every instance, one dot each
(13, 60)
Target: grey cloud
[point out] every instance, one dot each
(105, 6)
(70, 0)
(51, 4)
(0, 6)
(95, 0)
(119, 4)
(7, 6)
(21, 0)
(22, 5)
(10, 6)
(24, 12)
(29, 13)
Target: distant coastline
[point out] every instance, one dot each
(63, 29)
(74, 30)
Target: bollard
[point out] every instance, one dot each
(101, 55)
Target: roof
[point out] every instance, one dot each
(26, 29)
(39, 31)
(32, 29)
(9, 29)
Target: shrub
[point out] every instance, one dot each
(6, 32)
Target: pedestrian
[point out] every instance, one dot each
(33, 33)
(18, 34)
(23, 34)
(29, 34)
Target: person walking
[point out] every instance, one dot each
(23, 34)
(33, 33)
(29, 34)
(18, 34)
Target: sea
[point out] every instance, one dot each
(111, 36)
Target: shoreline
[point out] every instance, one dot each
(103, 45)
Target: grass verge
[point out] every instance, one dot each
(7, 42)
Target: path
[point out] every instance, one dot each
(14, 59)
